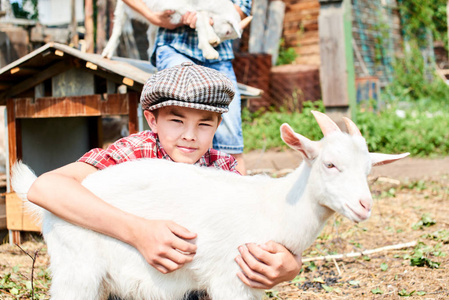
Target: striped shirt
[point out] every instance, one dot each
(185, 40)
(146, 144)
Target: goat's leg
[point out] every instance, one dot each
(77, 269)
(120, 17)
(204, 36)
(232, 288)
(75, 281)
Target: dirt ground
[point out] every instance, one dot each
(410, 206)
(405, 193)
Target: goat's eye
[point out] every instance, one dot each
(329, 165)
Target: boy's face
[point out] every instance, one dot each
(185, 133)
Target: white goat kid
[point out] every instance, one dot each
(225, 210)
(225, 17)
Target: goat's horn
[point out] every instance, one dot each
(245, 22)
(352, 128)
(326, 124)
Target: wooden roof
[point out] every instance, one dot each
(53, 59)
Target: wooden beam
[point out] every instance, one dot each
(14, 135)
(91, 105)
(38, 78)
(24, 70)
(118, 79)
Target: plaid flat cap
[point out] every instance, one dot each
(188, 85)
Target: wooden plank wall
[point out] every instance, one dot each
(371, 20)
(301, 30)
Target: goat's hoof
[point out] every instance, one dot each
(212, 54)
(106, 54)
(214, 42)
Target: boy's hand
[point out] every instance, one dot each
(163, 244)
(267, 265)
(190, 18)
(163, 19)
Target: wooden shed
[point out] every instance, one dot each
(56, 98)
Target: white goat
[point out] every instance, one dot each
(225, 17)
(225, 210)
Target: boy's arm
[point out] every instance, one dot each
(161, 19)
(160, 242)
(267, 265)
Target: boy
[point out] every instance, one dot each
(183, 107)
(176, 44)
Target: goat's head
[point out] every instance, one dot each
(339, 163)
(229, 28)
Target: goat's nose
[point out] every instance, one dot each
(366, 204)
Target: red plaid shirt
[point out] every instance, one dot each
(146, 144)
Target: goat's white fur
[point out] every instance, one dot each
(225, 210)
(226, 22)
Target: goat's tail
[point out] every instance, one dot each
(21, 180)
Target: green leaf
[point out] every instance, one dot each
(384, 266)
(318, 279)
(298, 279)
(421, 293)
(354, 282)
(312, 266)
(377, 291)
(404, 293)
(14, 291)
(327, 288)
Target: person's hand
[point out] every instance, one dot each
(267, 265)
(190, 18)
(163, 244)
(163, 19)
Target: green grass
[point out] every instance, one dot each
(419, 127)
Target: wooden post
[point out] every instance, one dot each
(73, 25)
(337, 73)
(257, 26)
(89, 25)
(15, 153)
(273, 31)
(101, 25)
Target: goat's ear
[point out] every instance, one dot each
(298, 142)
(237, 28)
(245, 22)
(378, 159)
